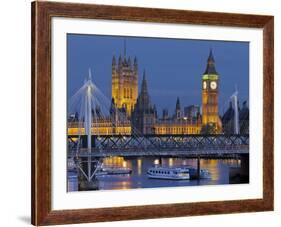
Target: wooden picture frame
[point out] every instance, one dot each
(42, 13)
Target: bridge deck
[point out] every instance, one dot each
(162, 145)
(175, 153)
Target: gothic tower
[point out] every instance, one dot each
(210, 92)
(178, 109)
(144, 114)
(124, 85)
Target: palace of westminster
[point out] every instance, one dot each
(141, 114)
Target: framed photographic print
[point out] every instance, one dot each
(146, 113)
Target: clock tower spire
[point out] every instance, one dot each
(210, 92)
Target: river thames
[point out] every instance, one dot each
(219, 169)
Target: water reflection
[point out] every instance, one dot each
(171, 162)
(219, 170)
(139, 161)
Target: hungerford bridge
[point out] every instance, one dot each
(159, 145)
(91, 148)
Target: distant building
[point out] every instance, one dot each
(228, 119)
(244, 119)
(181, 126)
(114, 124)
(144, 113)
(103, 126)
(165, 114)
(178, 113)
(178, 124)
(124, 86)
(191, 112)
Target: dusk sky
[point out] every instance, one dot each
(174, 67)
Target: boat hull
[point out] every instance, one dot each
(113, 171)
(168, 177)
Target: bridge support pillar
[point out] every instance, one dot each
(245, 168)
(240, 174)
(198, 167)
(87, 168)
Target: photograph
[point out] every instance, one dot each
(148, 112)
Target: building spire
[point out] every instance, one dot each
(178, 106)
(143, 102)
(144, 84)
(113, 60)
(210, 69)
(178, 109)
(135, 65)
(211, 56)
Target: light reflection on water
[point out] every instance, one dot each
(219, 170)
(139, 161)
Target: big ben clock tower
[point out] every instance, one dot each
(210, 91)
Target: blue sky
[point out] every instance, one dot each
(173, 67)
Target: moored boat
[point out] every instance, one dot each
(169, 173)
(113, 171)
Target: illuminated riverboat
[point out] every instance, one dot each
(103, 171)
(168, 173)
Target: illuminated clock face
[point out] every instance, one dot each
(213, 85)
(204, 84)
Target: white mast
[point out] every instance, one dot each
(88, 119)
(234, 101)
